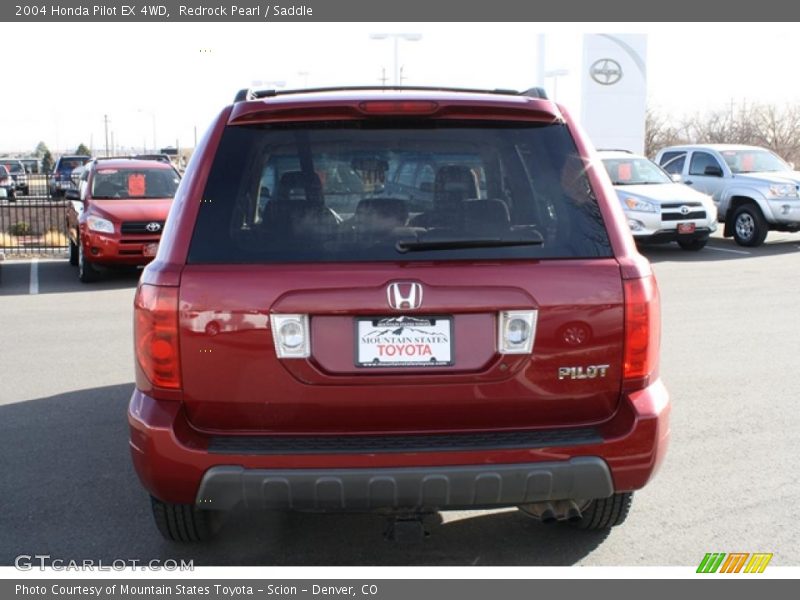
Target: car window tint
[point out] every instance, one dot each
(672, 162)
(701, 160)
(352, 191)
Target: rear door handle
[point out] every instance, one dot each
(688, 182)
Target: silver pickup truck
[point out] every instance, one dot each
(755, 191)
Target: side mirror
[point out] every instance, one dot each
(713, 171)
(676, 177)
(72, 195)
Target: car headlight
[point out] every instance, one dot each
(783, 190)
(638, 205)
(100, 225)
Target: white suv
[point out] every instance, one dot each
(658, 209)
(754, 190)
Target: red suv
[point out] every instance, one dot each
(400, 301)
(117, 215)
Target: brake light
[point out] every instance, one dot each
(155, 333)
(642, 332)
(387, 107)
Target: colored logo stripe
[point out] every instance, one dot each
(758, 563)
(711, 562)
(734, 562)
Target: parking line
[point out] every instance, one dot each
(34, 285)
(727, 250)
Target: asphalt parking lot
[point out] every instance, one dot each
(731, 342)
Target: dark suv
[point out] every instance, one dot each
(312, 336)
(61, 177)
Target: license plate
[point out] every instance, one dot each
(404, 342)
(150, 249)
(686, 227)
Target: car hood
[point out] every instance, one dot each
(133, 210)
(662, 192)
(769, 178)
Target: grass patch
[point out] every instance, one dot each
(55, 239)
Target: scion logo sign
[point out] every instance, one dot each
(606, 71)
(404, 342)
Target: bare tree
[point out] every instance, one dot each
(770, 126)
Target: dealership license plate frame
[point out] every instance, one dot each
(402, 364)
(686, 228)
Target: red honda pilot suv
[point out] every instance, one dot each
(399, 301)
(116, 216)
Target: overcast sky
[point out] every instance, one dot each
(176, 76)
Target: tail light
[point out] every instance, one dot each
(155, 334)
(389, 107)
(642, 332)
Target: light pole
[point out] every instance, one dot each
(270, 84)
(555, 74)
(153, 117)
(409, 37)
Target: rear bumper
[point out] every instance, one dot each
(429, 488)
(178, 464)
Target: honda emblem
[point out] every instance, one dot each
(404, 296)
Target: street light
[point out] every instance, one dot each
(409, 37)
(555, 74)
(152, 116)
(270, 84)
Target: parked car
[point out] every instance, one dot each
(60, 179)
(117, 215)
(18, 174)
(658, 209)
(7, 184)
(495, 346)
(755, 190)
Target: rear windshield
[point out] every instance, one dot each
(365, 191)
(67, 164)
(134, 183)
(14, 167)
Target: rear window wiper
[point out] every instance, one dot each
(404, 246)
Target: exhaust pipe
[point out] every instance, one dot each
(548, 515)
(551, 512)
(573, 512)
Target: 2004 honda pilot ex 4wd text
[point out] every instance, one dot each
(398, 301)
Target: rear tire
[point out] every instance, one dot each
(605, 513)
(749, 226)
(86, 270)
(73, 254)
(693, 245)
(183, 522)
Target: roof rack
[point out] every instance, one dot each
(252, 94)
(157, 157)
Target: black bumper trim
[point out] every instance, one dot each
(281, 445)
(416, 488)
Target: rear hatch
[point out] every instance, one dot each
(385, 261)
